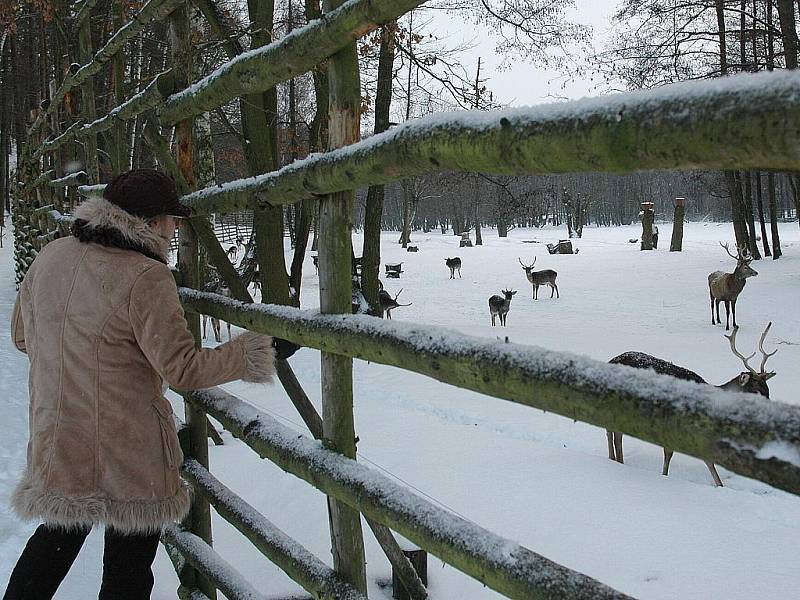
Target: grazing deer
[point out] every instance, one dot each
(215, 324)
(726, 287)
(232, 252)
(500, 305)
(455, 265)
(750, 381)
(537, 278)
(388, 304)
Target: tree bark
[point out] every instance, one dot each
(760, 203)
(748, 207)
(773, 216)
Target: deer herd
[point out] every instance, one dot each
(723, 287)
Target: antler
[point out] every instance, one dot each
(727, 249)
(732, 340)
(524, 266)
(765, 354)
(397, 294)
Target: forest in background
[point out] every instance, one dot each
(408, 71)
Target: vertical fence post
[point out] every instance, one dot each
(676, 244)
(335, 251)
(188, 258)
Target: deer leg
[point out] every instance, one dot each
(714, 474)
(459, 273)
(205, 322)
(610, 437)
(712, 308)
(215, 327)
(557, 294)
(727, 315)
(229, 331)
(618, 447)
(667, 457)
(492, 320)
(733, 310)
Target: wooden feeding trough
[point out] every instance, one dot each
(393, 270)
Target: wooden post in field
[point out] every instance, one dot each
(199, 519)
(676, 245)
(335, 252)
(648, 216)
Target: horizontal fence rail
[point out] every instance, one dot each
(312, 574)
(263, 68)
(499, 563)
(749, 434)
(745, 121)
(199, 554)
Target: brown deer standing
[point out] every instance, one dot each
(726, 287)
(455, 265)
(543, 277)
(750, 381)
(388, 304)
(500, 305)
(215, 324)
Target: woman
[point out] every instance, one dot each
(99, 317)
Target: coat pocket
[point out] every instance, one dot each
(169, 433)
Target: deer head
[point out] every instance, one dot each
(743, 259)
(508, 294)
(526, 267)
(751, 380)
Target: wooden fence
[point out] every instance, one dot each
(748, 121)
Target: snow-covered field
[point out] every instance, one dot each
(536, 478)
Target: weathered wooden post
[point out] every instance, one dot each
(335, 252)
(648, 216)
(419, 560)
(188, 258)
(676, 245)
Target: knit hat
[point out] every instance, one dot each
(146, 193)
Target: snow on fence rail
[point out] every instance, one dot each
(745, 433)
(499, 563)
(312, 574)
(748, 121)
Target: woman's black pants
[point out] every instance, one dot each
(51, 550)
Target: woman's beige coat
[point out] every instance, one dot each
(105, 333)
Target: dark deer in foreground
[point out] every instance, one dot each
(388, 304)
(543, 277)
(750, 381)
(500, 305)
(726, 287)
(455, 265)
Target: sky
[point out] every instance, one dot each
(524, 83)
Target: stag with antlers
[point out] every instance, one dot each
(750, 381)
(726, 287)
(388, 304)
(537, 278)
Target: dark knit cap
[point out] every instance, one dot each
(146, 193)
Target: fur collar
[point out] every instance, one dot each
(98, 220)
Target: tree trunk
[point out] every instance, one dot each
(748, 207)
(373, 216)
(788, 32)
(647, 225)
(760, 203)
(773, 216)
(676, 244)
(737, 209)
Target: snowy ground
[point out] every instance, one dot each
(533, 477)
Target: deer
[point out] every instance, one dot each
(232, 253)
(455, 265)
(215, 324)
(500, 305)
(256, 280)
(387, 303)
(726, 287)
(543, 277)
(749, 381)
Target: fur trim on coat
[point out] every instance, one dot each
(32, 503)
(259, 355)
(98, 220)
